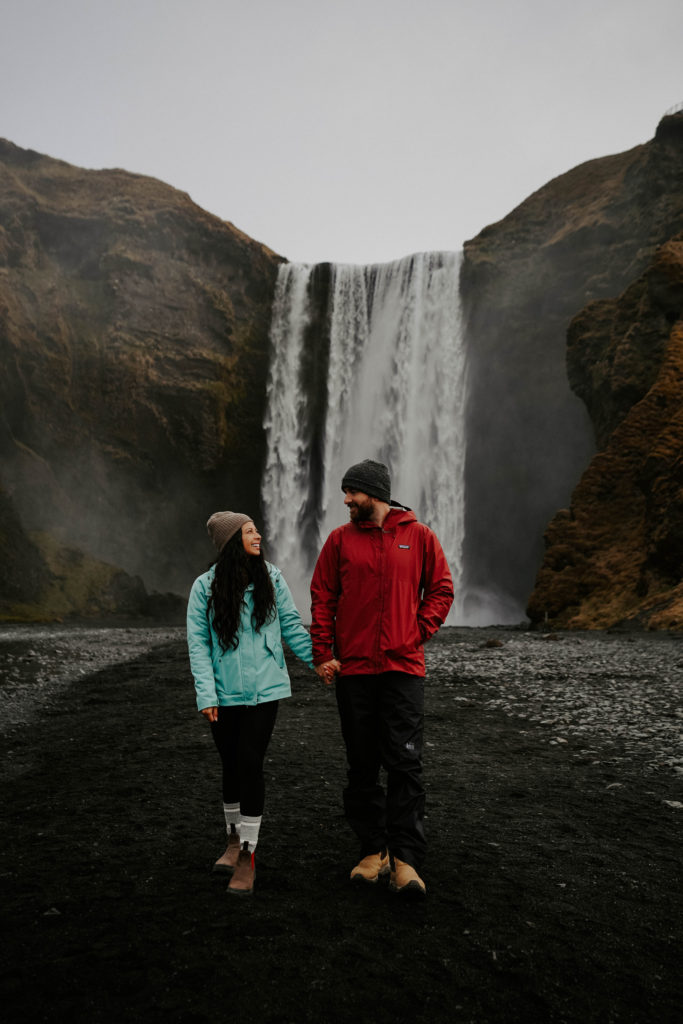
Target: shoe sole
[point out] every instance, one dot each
(358, 878)
(222, 869)
(240, 892)
(411, 889)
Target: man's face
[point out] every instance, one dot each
(359, 504)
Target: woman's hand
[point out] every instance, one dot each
(211, 714)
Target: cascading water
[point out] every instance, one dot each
(394, 390)
(285, 479)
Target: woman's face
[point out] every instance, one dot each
(251, 539)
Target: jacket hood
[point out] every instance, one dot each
(396, 514)
(400, 514)
(273, 572)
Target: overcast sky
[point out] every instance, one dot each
(357, 131)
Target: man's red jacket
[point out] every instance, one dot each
(378, 593)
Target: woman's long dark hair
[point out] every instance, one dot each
(235, 569)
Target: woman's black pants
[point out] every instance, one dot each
(242, 734)
(382, 719)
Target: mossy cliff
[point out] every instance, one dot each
(45, 580)
(134, 348)
(615, 557)
(583, 237)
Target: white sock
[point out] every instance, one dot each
(232, 818)
(249, 828)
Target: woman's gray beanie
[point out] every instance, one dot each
(370, 477)
(224, 525)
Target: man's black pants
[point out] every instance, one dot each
(382, 719)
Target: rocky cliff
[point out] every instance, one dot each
(44, 579)
(615, 557)
(134, 350)
(583, 237)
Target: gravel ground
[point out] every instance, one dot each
(39, 662)
(554, 820)
(622, 688)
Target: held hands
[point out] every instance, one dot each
(328, 670)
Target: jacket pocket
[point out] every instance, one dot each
(275, 647)
(407, 643)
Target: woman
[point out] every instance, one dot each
(237, 615)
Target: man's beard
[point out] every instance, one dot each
(363, 513)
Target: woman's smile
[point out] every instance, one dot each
(251, 539)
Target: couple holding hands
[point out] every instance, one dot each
(380, 589)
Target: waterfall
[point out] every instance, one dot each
(285, 483)
(389, 341)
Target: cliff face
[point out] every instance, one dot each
(25, 572)
(615, 557)
(584, 236)
(43, 579)
(134, 347)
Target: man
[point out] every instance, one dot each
(380, 589)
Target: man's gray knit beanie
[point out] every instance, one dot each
(224, 525)
(370, 477)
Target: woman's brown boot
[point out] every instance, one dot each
(242, 881)
(226, 863)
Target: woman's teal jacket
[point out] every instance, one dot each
(255, 672)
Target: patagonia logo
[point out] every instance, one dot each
(405, 547)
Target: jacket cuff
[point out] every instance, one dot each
(320, 659)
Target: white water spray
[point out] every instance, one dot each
(395, 392)
(285, 482)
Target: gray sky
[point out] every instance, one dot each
(355, 131)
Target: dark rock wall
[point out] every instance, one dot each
(25, 572)
(134, 348)
(615, 557)
(584, 236)
(44, 579)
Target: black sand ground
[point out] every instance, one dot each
(554, 895)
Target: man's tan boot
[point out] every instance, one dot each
(371, 867)
(226, 863)
(404, 878)
(242, 881)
